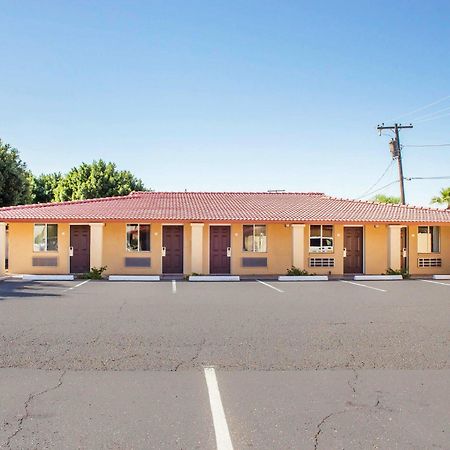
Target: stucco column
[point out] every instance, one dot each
(96, 244)
(298, 245)
(197, 247)
(2, 248)
(394, 247)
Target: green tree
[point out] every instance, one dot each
(43, 187)
(15, 188)
(99, 179)
(443, 198)
(381, 198)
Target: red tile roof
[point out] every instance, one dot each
(223, 207)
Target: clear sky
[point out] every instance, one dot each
(229, 95)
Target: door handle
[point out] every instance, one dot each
(70, 251)
(229, 252)
(345, 253)
(163, 251)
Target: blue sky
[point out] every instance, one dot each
(229, 95)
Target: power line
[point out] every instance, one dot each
(422, 108)
(379, 179)
(433, 118)
(427, 178)
(426, 145)
(433, 113)
(379, 189)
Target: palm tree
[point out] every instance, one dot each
(444, 198)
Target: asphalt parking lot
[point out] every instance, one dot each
(267, 365)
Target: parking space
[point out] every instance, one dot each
(299, 365)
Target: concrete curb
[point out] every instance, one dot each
(214, 278)
(47, 277)
(377, 277)
(303, 278)
(134, 278)
(441, 277)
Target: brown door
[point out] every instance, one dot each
(353, 242)
(173, 243)
(80, 242)
(219, 244)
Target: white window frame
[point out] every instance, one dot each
(320, 249)
(139, 238)
(429, 233)
(45, 238)
(253, 250)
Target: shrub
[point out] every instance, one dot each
(96, 273)
(404, 273)
(295, 271)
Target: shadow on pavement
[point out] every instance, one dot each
(21, 289)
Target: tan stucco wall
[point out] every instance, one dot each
(279, 246)
(21, 250)
(444, 253)
(376, 249)
(115, 250)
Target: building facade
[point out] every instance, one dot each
(153, 233)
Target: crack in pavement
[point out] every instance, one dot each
(27, 403)
(194, 358)
(319, 428)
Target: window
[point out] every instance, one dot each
(428, 240)
(255, 238)
(45, 237)
(321, 239)
(138, 238)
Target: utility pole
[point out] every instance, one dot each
(396, 151)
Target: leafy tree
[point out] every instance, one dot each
(381, 198)
(15, 186)
(99, 179)
(43, 187)
(443, 198)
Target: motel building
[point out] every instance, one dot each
(181, 233)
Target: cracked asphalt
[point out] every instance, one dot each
(115, 365)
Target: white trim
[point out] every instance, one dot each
(303, 278)
(441, 277)
(134, 278)
(47, 277)
(214, 278)
(377, 277)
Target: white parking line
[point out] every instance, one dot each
(174, 287)
(77, 285)
(223, 439)
(269, 285)
(363, 285)
(436, 282)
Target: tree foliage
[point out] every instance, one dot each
(381, 198)
(99, 179)
(443, 198)
(43, 187)
(15, 188)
